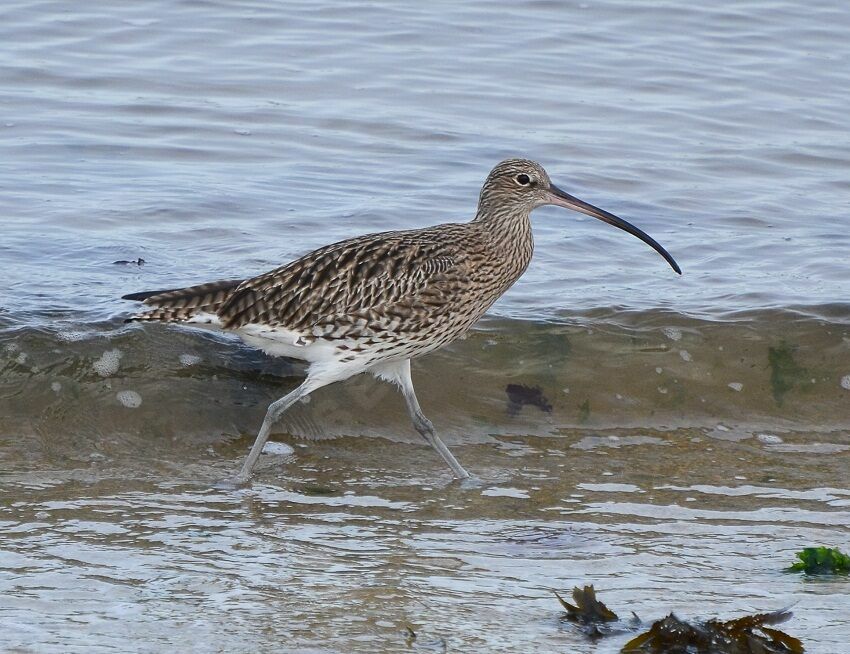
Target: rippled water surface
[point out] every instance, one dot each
(672, 440)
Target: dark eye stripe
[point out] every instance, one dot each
(523, 179)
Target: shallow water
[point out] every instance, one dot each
(671, 440)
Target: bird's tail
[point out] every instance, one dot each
(193, 304)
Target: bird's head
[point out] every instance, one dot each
(520, 186)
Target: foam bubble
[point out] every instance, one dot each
(130, 399)
(72, 336)
(280, 449)
(187, 360)
(56, 387)
(108, 363)
(845, 382)
(673, 333)
(736, 386)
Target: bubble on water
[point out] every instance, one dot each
(496, 491)
(769, 439)
(56, 387)
(845, 382)
(21, 359)
(108, 363)
(73, 335)
(130, 399)
(673, 333)
(686, 356)
(279, 449)
(187, 360)
(659, 370)
(736, 386)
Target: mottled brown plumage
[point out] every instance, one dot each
(373, 302)
(403, 292)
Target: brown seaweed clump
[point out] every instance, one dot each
(747, 635)
(750, 634)
(594, 618)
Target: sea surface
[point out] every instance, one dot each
(672, 440)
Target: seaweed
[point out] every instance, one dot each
(412, 642)
(519, 395)
(745, 635)
(821, 560)
(316, 490)
(584, 411)
(750, 634)
(593, 617)
(785, 372)
(587, 608)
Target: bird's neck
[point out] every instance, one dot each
(505, 226)
(509, 238)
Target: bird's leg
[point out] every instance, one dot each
(426, 429)
(275, 410)
(423, 425)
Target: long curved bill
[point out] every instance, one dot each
(563, 199)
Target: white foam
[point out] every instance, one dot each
(278, 449)
(496, 491)
(673, 333)
(130, 399)
(187, 360)
(845, 382)
(736, 386)
(56, 387)
(107, 364)
(73, 335)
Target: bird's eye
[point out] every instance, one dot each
(523, 179)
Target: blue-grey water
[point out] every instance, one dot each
(693, 431)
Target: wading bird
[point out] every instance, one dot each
(373, 303)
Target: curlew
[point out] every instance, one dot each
(373, 303)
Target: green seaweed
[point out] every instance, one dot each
(316, 490)
(745, 635)
(785, 372)
(821, 560)
(584, 411)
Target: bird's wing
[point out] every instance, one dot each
(377, 276)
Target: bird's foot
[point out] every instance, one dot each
(470, 483)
